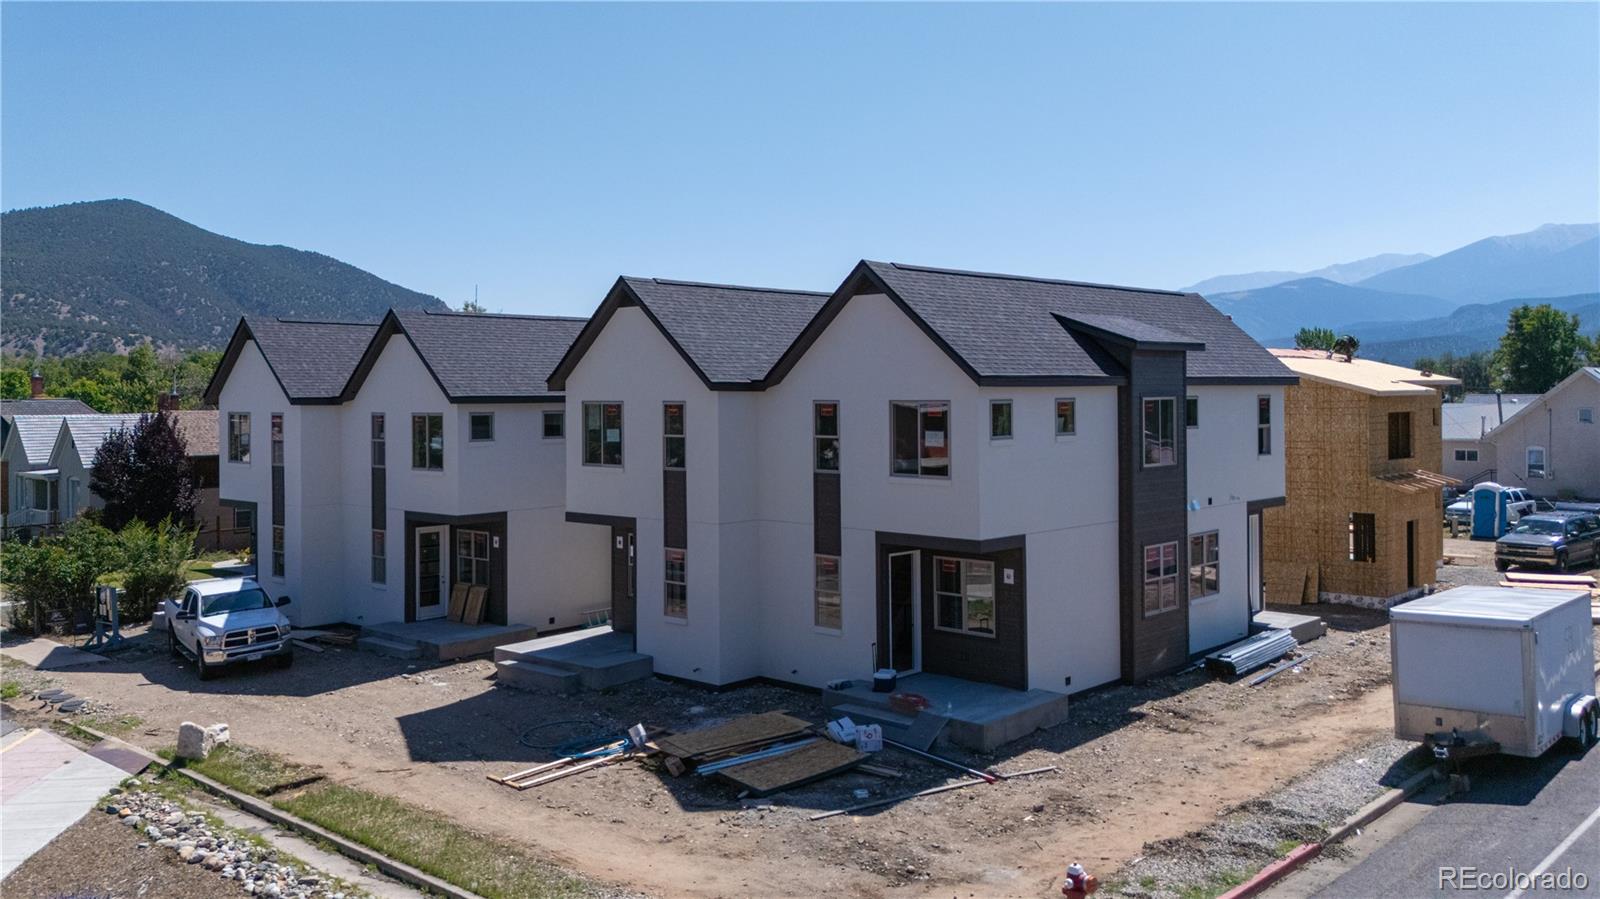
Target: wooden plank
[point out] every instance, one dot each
(1532, 577)
(477, 597)
(304, 645)
(812, 762)
(458, 602)
(565, 772)
(739, 733)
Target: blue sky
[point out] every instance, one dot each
(541, 150)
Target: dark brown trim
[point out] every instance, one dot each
(827, 531)
(495, 524)
(1253, 506)
(675, 508)
(618, 521)
(954, 544)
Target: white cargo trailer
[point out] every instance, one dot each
(1483, 669)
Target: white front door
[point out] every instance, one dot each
(433, 572)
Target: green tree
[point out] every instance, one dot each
(1314, 339)
(1475, 370)
(56, 576)
(152, 565)
(1541, 346)
(14, 383)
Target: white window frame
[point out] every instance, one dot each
(1206, 570)
(379, 436)
(922, 407)
(1011, 419)
(667, 437)
(380, 557)
(468, 560)
(963, 581)
(1072, 413)
(560, 417)
(1164, 583)
(681, 582)
(1161, 440)
(819, 440)
(621, 441)
(823, 597)
(238, 440)
(1586, 415)
(275, 428)
(1542, 471)
(475, 415)
(1264, 428)
(427, 441)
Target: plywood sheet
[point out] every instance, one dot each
(823, 758)
(745, 731)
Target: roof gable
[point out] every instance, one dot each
(36, 436)
(87, 432)
(312, 361)
(730, 335)
(476, 358)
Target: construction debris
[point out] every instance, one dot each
(956, 785)
(1252, 652)
(813, 761)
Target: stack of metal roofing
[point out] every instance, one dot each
(1252, 652)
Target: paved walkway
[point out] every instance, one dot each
(48, 655)
(46, 785)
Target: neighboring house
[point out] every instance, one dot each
(1468, 456)
(220, 526)
(1553, 447)
(1363, 521)
(72, 457)
(1034, 483)
(386, 463)
(31, 492)
(21, 494)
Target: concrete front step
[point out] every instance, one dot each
(391, 648)
(895, 725)
(608, 669)
(536, 678)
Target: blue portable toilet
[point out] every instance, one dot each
(1490, 508)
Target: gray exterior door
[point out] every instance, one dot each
(624, 580)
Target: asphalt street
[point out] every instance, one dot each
(1520, 815)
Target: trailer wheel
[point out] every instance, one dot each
(1589, 730)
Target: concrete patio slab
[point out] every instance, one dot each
(445, 640)
(981, 716)
(48, 655)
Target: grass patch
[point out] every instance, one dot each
(1285, 847)
(115, 725)
(10, 688)
(248, 770)
(432, 842)
(1216, 886)
(426, 840)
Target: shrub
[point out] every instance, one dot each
(57, 575)
(152, 565)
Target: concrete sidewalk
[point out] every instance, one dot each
(46, 785)
(48, 655)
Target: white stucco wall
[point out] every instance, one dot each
(1572, 446)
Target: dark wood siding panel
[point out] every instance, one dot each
(675, 511)
(1001, 659)
(829, 536)
(277, 495)
(380, 499)
(624, 601)
(1152, 509)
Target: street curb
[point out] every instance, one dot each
(1378, 807)
(1305, 852)
(398, 870)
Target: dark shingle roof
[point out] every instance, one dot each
(733, 335)
(483, 356)
(44, 406)
(1005, 326)
(312, 360)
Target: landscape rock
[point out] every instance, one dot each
(196, 742)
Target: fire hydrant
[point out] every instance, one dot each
(1079, 882)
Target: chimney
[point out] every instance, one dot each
(167, 402)
(36, 384)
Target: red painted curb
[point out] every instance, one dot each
(1275, 872)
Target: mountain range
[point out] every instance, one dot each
(109, 274)
(1551, 261)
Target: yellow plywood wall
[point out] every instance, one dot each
(1336, 443)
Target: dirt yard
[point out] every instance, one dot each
(1138, 765)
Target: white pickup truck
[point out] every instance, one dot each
(225, 621)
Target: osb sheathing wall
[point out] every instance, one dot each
(1336, 444)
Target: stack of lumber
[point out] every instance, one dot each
(1559, 582)
(1253, 652)
(763, 754)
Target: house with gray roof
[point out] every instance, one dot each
(1552, 446)
(1465, 426)
(1035, 484)
(408, 474)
